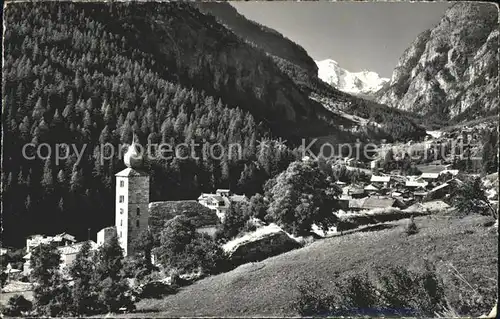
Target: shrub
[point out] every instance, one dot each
(404, 292)
(17, 306)
(411, 227)
(312, 300)
(3, 279)
(399, 292)
(157, 289)
(359, 296)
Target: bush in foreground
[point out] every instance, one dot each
(411, 227)
(17, 306)
(397, 292)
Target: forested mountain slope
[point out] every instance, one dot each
(88, 74)
(94, 73)
(271, 41)
(450, 72)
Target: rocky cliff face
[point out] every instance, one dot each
(451, 71)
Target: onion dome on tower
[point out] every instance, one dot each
(134, 157)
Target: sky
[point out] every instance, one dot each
(359, 36)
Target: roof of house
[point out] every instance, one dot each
(435, 205)
(373, 202)
(258, 234)
(68, 249)
(450, 171)
(420, 193)
(355, 191)
(444, 185)
(380, 179)
(430, 175)
(75, 248)
(130, 172)
(356, 203)
(238, 198)
(371, 188)
(416, 183)
(431, 168)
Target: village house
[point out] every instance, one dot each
(3, 251)
(371, 189)
(353, 191)
(440, 191)
(416, 183)
(381, 180)
(220, 201)
(59, 240)
(381, 202)
(375, 164)
(68, 255)
(430, 176)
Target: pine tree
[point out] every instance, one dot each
(76, 182)
(52, 297)
(109, 278)
(47, 179)
(83, 292)
(38, 110)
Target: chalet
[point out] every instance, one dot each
(223, 192)
(356, 204)
(374, 164)
(439, 191)
(384, 180)
(371, 188)
(59, 240)
(344, 202)
(430, 176)
(429, 207)
(355, 192)
(220, 201)
(11, 270)
(260, 244)
(437, 205)
(376, 202)
(419, 195)
(68, 255)
(413, 184)
(214, 202)
(453, 172)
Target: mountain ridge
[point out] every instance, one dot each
(450, 72)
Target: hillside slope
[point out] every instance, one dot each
(268, 288)
(450, 72)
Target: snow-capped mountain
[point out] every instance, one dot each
(356, 83)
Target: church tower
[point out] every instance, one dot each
(132, 199)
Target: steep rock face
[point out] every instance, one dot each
(451, 71)
(271, 41)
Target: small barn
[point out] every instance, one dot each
(266, 241)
